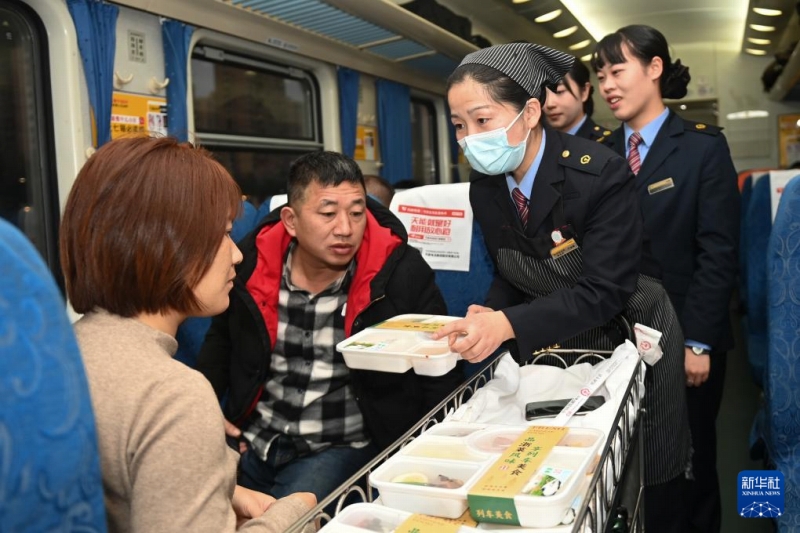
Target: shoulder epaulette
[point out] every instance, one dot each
(599, 134)
(587, 158)
(701, 127)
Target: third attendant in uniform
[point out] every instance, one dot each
(687, 187)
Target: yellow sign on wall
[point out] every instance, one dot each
(137, 114)
(366, 143)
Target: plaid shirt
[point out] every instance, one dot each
(307, 394)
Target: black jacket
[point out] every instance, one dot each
(692, 226)
(600, 205)
(235, 356)
(590, 130)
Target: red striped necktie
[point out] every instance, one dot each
(634, 159)
(522, 205)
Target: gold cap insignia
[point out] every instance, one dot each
(565, 153)
(700, 126)
(585, 159)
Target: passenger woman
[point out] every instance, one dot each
(561, 222)
(569, 106)
(687, 188)
(144, 244)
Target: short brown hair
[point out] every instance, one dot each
(142, 225)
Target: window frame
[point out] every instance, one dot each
(430, 105)
(216, 54)
(45, 158)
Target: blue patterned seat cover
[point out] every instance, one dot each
(782, 381)
(49, 466)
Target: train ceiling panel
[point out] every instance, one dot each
(320, 18)
(329, 21)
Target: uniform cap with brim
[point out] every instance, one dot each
(532, 66)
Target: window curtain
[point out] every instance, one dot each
(348, 108)
(451, 134)
(394, 130)
(177, 36)
(95, 24)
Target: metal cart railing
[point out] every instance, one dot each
(615, 488)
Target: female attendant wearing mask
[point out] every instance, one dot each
(561, 221)
(687, 188)
(140, 253)
(570, 106)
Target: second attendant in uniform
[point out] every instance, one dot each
(569, 106)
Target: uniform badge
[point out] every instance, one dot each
(564, 248)
(660, 186)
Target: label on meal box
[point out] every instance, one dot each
(420, 523)
(491, 499)
(425, 324)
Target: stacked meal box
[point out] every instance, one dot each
(530, 476)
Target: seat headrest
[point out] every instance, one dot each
(47, 432)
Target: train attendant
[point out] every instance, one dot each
(569, 106)
(561, 221)
(687, 188)
(144, 244)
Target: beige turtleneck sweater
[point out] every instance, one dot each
(166, 467)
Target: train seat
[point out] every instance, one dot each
(745, 193)
(269, 204)
(50, 477)
(245, 223)
(459, 288)
(755, 241)
(782, 376)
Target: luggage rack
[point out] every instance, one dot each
(617, 481)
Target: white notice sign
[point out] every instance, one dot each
(438, 219)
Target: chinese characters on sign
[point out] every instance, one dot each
(135, 114)
(444, 236)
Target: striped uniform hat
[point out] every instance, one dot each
(533, 66)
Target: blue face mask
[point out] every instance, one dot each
(489, 152)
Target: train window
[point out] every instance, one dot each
(424, 155)
(259, 172)
(28, 188)
(255, 116)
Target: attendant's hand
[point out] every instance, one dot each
(248, 504)
(477, 336)
(697, 368)
(474, 309)
(233, 431)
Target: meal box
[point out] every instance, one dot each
(374, 518)
(546, 495)
(400, 344)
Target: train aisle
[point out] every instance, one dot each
(740, 402)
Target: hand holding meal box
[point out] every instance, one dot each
(400, 344)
